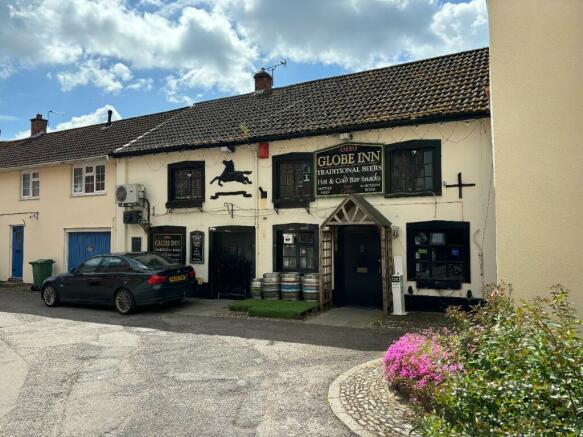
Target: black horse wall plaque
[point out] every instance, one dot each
(229, 174)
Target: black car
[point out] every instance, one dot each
(125, 281)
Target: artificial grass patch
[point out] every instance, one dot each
(279, 309)
(243, 305)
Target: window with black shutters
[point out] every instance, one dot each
(413, 168)
(185, 184)
(438, 254)
(293, 184)
(295, 248)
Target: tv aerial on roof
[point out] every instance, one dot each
(271, 69)
(52, 112)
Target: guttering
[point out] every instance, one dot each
(309, 133)
(55, 163)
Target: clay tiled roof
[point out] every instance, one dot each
(434, 89)
(79, 143)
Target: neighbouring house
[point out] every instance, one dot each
(57, 193)
(537, 105)
(355, 177)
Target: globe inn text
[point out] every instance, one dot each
(355, 177)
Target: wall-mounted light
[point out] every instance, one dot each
(346, 136)
(306, 174)
(395, 231)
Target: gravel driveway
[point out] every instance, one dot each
(74, 371)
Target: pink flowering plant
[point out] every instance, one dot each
(419, 362)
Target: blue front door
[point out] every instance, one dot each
(84, 245)
(17, 250)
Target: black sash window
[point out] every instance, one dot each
(185, 184)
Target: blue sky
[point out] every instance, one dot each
(82, 57)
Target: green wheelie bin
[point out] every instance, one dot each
(41, 270)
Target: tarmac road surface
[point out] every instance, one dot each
(77, 371)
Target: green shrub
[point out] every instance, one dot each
(522, 371)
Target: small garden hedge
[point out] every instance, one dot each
(503, 369)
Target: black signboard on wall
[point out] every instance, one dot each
(197, 247)
(169, 241)
(349, 169)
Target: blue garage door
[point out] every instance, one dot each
(84, 245)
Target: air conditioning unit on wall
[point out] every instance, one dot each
(129, 194)
(133, 217)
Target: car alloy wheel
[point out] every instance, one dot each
(124, 302)
(50, 296)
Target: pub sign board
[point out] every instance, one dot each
(169, 241)
(349, 169)
(197, 247)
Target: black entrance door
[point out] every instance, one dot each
(358, 267)
(232, 261)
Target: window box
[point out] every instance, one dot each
(413, 168)
(293, 180)
(29, 185)
(88, 179)
(185, 184)
(438, 254)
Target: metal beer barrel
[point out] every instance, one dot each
(256, 285)
(291, 286)
(270, 286)
(311, 287)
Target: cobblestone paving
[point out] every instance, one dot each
(367, 399)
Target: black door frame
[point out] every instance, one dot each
(213, 255)
(339, 296)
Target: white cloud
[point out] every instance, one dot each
(91, 72)
(96, 117)
(218, 44)
(198, 42)
(462, 25)
(141, 84)
(358, 34)
(173, 89)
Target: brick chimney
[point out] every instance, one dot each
(263, 81)
(38, 125)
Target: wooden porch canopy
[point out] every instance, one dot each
(354, 210)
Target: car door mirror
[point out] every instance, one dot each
(74, 270)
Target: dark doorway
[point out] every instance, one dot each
(358, 279)
(232, 261)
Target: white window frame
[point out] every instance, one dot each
(31, 180)
(84, 173)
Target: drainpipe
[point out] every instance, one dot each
(257, 230)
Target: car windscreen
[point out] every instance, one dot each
(151, 260)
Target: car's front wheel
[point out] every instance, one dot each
(50, 296)
(124, 302)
